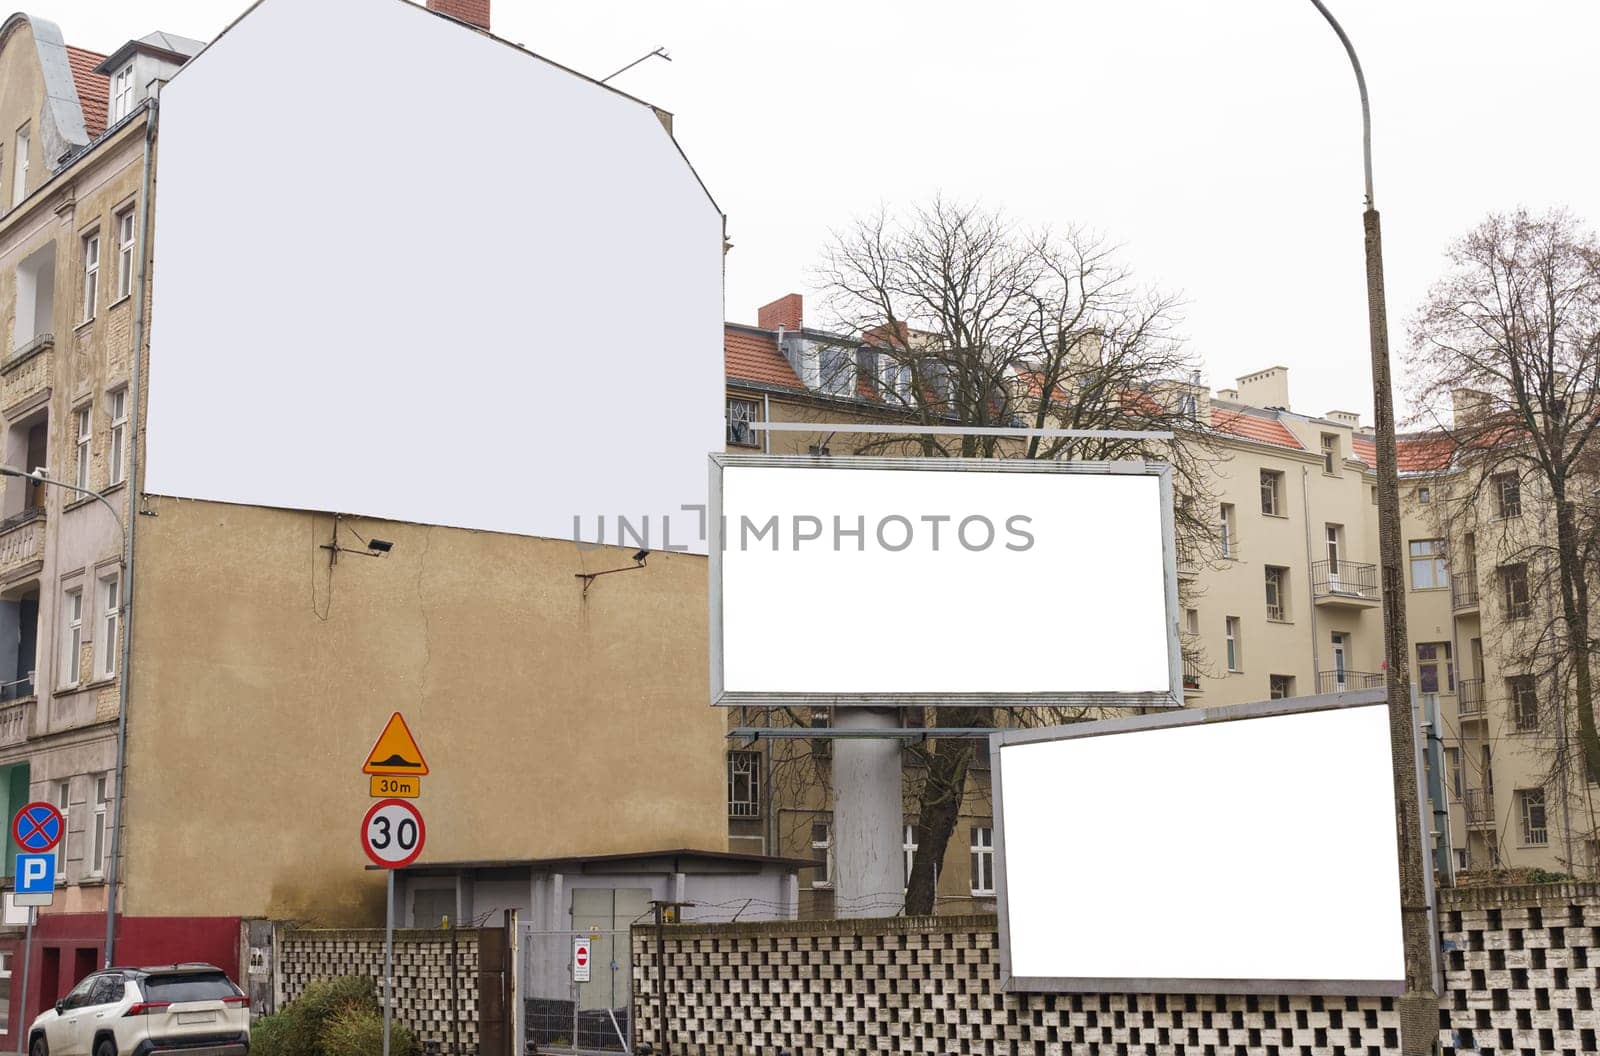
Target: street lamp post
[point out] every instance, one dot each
(39, 477)
(1419, 1005)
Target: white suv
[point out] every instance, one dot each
(190, 1009)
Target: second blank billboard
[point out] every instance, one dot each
(876, 581)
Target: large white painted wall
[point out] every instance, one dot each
(405, 270)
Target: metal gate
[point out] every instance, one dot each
(564, 1015)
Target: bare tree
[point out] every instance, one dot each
(1506, 369)
(959, 316)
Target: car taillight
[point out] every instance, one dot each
(144, 1008)
(241, 1001)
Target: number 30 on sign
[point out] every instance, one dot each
(392, 833)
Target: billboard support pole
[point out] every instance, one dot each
(868, 814)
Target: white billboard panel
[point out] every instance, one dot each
(405, 270)
(942, 581)
(1238, 850)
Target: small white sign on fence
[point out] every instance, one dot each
(580, 959)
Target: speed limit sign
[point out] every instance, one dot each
(392, 833)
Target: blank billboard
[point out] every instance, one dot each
(1204, 852)
(405, 270)
(942, 581)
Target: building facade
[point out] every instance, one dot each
(1284, 601)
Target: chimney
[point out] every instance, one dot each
(1266, 388)
(472, 12)
(1350, 418)
(785, 313)
(1468, 406)
(1231, 395)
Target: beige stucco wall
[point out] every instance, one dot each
(553, 725)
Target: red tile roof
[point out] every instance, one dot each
(753, 356)
(94, 89)
(1252, 427)
(1366, 449)
(1414, 454)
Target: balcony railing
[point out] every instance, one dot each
(1347, 680)
(1191, 675)
(21, 539)
(14, 720)
(1469, 699)
(1464, 591)
(1345, 581)
(1478, 805)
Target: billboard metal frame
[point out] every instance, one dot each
(1172, 697)
(1166, 720)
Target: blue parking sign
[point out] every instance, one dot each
(36, 880)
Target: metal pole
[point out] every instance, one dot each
(1419, 1004)
(572, 970)
(455, 994)
(27, 961)
(661, 973)
(388, 960)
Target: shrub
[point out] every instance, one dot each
(332, 1017)
(359, 1032)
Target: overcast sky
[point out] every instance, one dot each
(1218, 142)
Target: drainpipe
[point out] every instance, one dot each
(135, 394)
(1311, 576)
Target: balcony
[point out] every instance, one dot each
(1478, 805)
(1188, 567)
(1345, 585)
(1469, 699)
(1464, 592)
(16, 717)
(26, 371)
(1347, 681)
(21, 540)
(1191, 677)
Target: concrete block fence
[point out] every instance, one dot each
(467, 1019)
(1519, 980)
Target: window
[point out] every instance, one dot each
(1330, 453)
(837, 367)
(83, 422)
(63, 800)
(1277, 593)
(1530, 804)
(1452, 765)
(19, 178)
(822, 840)
(1486, 771)
(1271, 493)
(1191, 621)
(1424, 495)
(1524, 703)
(818, 451)
(1333, 535)
(982, 860)
(1231, 628)
(110, 622)
(91, 274)
(744, 784)
(894, 378)
(1280, 686)
(122, 93)
(102, 800)
(5, 992)
(1514, 591)
(1373, 491)
(117, 457)
(125, 252)
(1433, 659)
(740, 414)
(1508, 495)
(71, 636)
(1427, 565)
(821, 719)
(1226, 526)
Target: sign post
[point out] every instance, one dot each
(37, 828)
(392, 833)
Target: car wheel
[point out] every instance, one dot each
(106, 1047)
(39, 1047)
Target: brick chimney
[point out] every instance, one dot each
(472, 12)
(787, 311)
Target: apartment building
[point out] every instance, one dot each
(1285, 602)
(252, 649)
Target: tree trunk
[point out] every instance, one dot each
(944, 785)
(1575, 614)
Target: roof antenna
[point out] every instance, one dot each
(659, 51)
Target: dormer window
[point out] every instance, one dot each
(122, 93)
